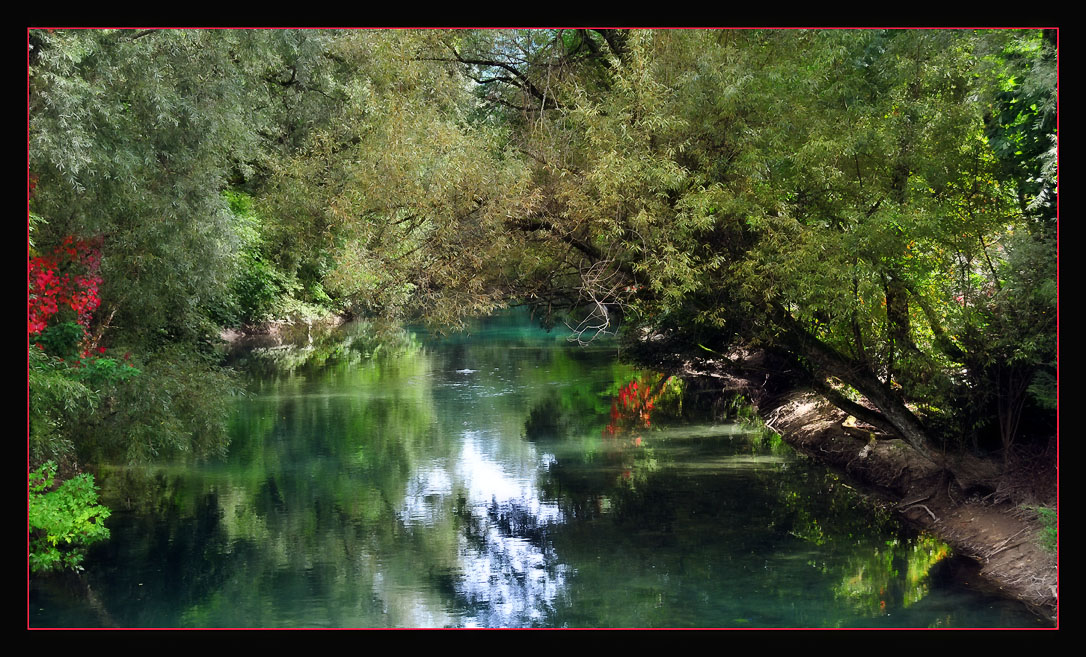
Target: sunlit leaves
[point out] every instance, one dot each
(63, 521)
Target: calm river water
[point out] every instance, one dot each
(503, 478)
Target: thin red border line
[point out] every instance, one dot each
(1057, 279)
(1057, 251)
(28, 336)
(1057, 328)
(731, 28)
(544, 27)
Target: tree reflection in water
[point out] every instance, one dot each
(475, 482)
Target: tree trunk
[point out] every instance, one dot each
(1012, 381)
(827, 361)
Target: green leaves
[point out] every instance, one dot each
(134, 139)
(64, 521)
(865, 181)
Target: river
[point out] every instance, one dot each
(498, 478)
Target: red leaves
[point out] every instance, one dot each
(68, 277)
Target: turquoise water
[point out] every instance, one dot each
(502, 478)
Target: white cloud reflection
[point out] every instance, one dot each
(507, 573)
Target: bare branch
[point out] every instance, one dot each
(602, 284)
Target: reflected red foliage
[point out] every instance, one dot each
(632, 409)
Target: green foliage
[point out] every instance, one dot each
(134, 136)
(62, 339)
(57, 401)
(879, 204)
(241, 205)
(178, 410)
(257, 289)
(1044, 390)
(66, 395)
(1022, 125)
(258, 285)
(399, 195)
(104, 372)
(1049, 532)
(62, 522)
(267, 283)
(1010, 333)
(826, 193)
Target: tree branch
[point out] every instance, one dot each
(520, 79)
(531, 225)
(616, 40)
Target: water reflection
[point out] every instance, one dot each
(506, 574)
(501, 479)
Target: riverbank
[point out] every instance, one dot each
(297, 330)
(982, 510)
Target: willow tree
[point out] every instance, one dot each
(836, 196)
(829, 195)
(134, 134)
(896, 282)
(404, 186)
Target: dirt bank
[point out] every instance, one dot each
(980, 510)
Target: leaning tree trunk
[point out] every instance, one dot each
(827, 361)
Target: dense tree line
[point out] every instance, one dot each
(876, 206)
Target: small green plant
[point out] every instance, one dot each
(61, 339)
(1049, 530)
(63, 521)
(103, 371)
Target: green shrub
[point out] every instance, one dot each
(105, 371)
(63, 521)
(62, 339)
(57, 399)
(1049, 529)
(176, 407)
(258, 288)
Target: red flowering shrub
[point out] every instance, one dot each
(65, 279)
